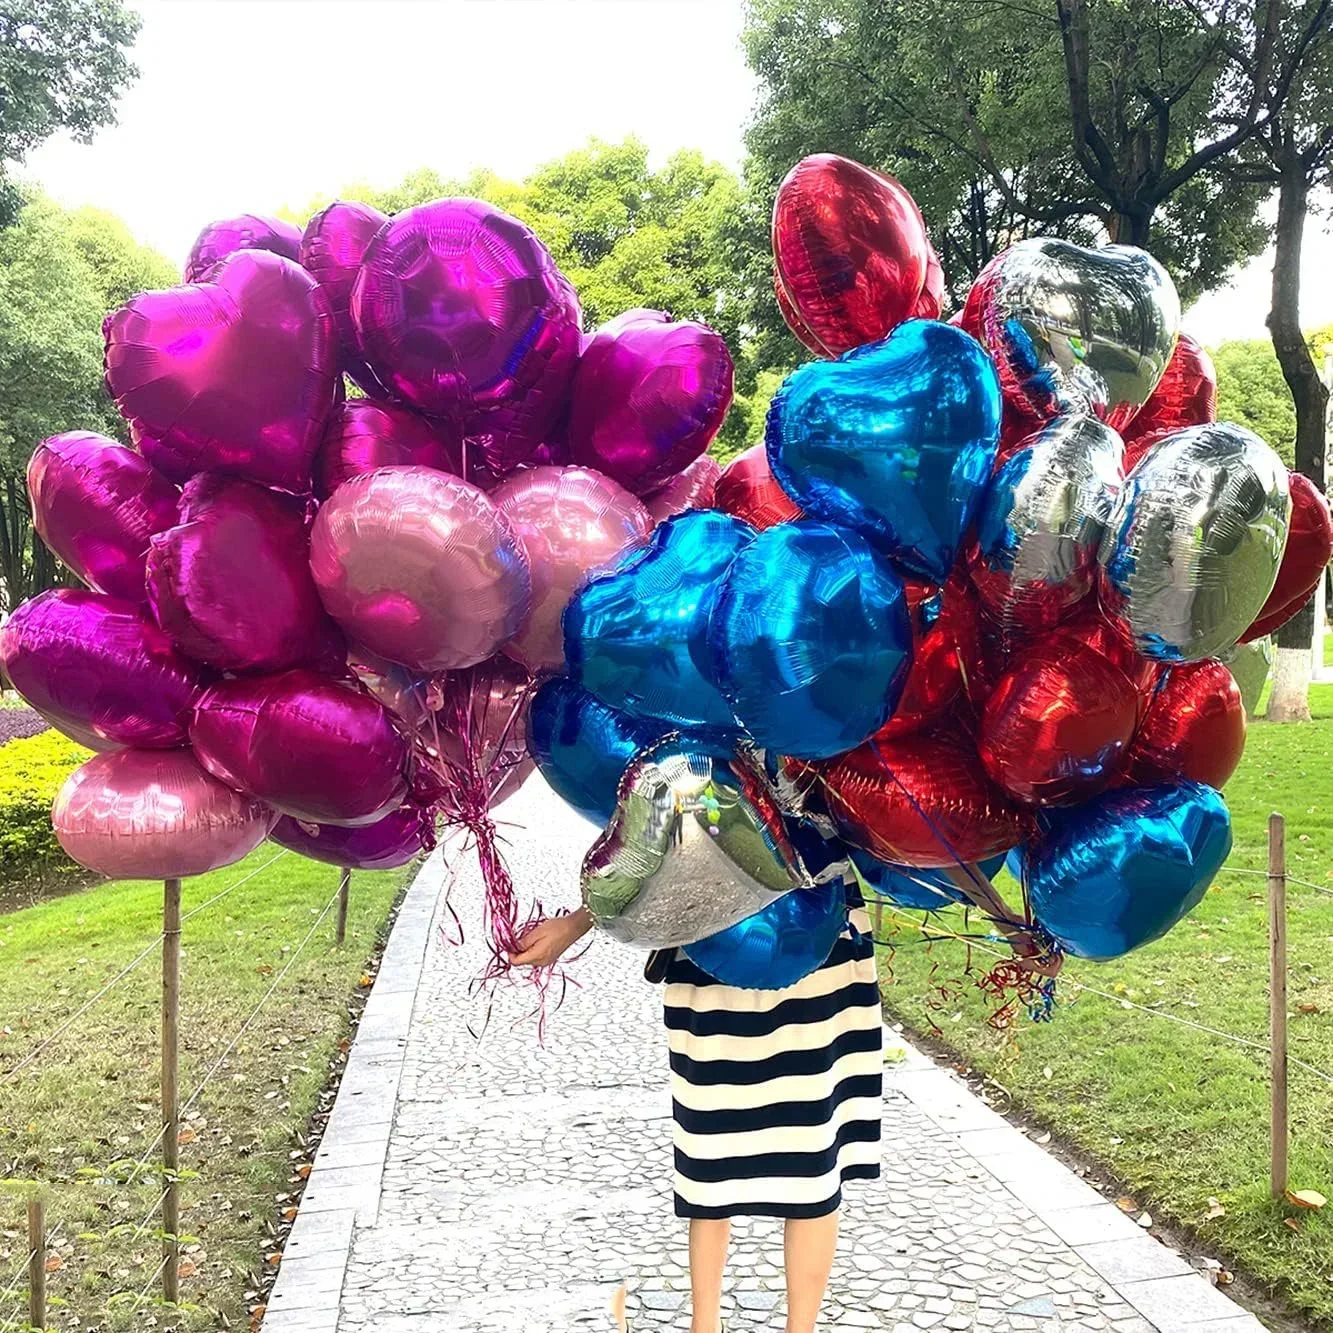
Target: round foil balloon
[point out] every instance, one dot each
(236, 374)
(154, 814)
(1304, 559)
(691, 489)
(1109, 876)
(572, 522)
(647, 397)
(1194, 727)
(460, 310)
(250, 231)
(309, 746)
(809, 639)
(696, 844)
(1072, 329)
(1186, 395)
(99, 670)
(1194, 543)
(942, 623)
(850, 251)
(483, 735)
(363, 435)
(748, 490)
(420, 567)
(894, 440)
(95, 504)
(780, 944)
(387, 843)
(637, 637)
(930, 303)
(231, 583)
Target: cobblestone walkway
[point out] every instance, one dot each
(508, 1185)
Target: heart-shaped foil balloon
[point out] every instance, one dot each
(1073, 329)
(1194, 727)
(696, 844)
(850, 253)
(236, 374)
(1186, 395)
(363, 435)
(692, 489)
(748, 490)
(249, 231)
(1308, 551)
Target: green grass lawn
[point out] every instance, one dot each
(83, 1113)
(1181, 1115)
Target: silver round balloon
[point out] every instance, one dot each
(1076, 329)
(695, 845)
(1249, 664)
(1041, 522)
(1195, 541)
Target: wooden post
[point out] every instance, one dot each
(344, 885)
(37, 1263)
(1277, 994)
(171, 996)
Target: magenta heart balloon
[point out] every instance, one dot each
(387, 843)
(572, 522)
(155, 814)
(647, 398)
(250, 231)
(95, 504)
(692, 489)
(421, 567)
(231, 583)
(460, 310)
(237, 374)
(309, 746)
(363, 435)
(99, 670)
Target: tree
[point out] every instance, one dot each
(1252, 392)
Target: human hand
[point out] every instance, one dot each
(544, 944)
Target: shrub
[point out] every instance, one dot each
(31, 773)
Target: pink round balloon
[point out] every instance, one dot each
(484, 732)
(460, 310)
(99, 670)
(363, 435)
(155, 814)
(309, 746)
(572, 521)
(250, 231)
(95, 503)
(421, 567)
(387, 843)
(237, 374)
(691, 489)
(231, 583)
(648, 397)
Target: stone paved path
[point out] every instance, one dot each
(508, 1185)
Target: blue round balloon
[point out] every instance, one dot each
(778, 946)
(1122, 869)
(581, 747)
(637, 636)
(895, 439)
(910, 886)
(810, 639)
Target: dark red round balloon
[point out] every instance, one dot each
(931, 301)
(249, 231)
(851, 252)
(1194, 727)
(748, 490)
(363, 435)
(936, 677)
(1309, 549)
(1186, 395)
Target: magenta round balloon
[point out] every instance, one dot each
(236, 374)
(691, 489)
(231, 583)
(572, 522)
(421, 567)
(309, 746)
(363, 435)
(95, 503)
(250, 231)
(460, 310)
(387, 843)
(99, 670)
(648, 396)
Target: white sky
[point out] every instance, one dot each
(248, 106)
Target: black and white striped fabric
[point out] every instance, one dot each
(776, 1094)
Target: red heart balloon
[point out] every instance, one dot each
(1194, 727)
(748, 490)
(936, 677)
(1309, 549)
(237, 374)
(1186, 395)
(850, 250)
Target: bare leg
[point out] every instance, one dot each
(708, 1259)
(808, 1245)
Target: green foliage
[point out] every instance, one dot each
(1252, 393)
(31, 774)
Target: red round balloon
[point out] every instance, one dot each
(793, 318)
(1194, 727)
(1308, 551)
(363, 435)
(1186, 395)
(748, 490)
(936, 676)
(931, 301)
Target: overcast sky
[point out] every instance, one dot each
(248, 106)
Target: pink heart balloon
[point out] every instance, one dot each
(96, 504)
(237, 374)
(692, 489)
(648, 397)
(250, 231)
(363, 435)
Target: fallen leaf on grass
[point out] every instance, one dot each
(187, 1268)
(54, 1263)
(1308, 1007)
(1292, 1222)
(1126, 1204)
(1311, 1199)
(1215, 1208)
(894, 1055)
(186, 1135)
(365, 980)
(303, 1170)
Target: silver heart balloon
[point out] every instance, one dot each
(696, 844)
(1249, 664)
(1073, 329)
(1195, 541)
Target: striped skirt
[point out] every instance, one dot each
(776, 1094)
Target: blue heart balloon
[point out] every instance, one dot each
(810, 639)
(1122, 869)
(779, 945)
(908, 886)
(582, 747)
(895, 439)
(637, 637)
